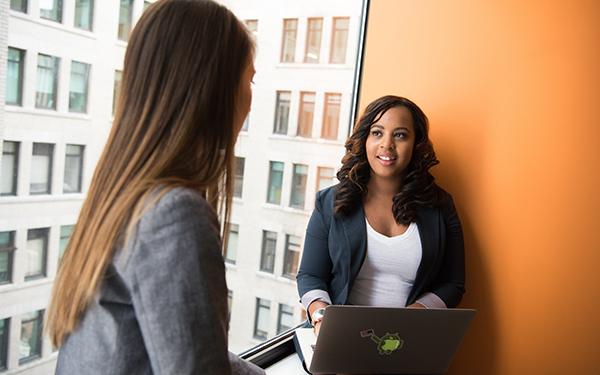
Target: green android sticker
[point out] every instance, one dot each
(386, 344)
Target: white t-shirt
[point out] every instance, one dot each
(389, 270)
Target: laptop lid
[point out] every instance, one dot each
(362, 340)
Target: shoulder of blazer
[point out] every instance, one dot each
(325, 200)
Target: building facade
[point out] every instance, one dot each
(61, 62)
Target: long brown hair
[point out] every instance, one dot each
(174, 126)
(418, 185)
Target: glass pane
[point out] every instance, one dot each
(307, 109)
(325, 178)
(261, 324)
(47, 80)
(275, 182)
(232, 243)
(6, 255)
(282, 112)
(36, 249)
(51, 10)
(73, 169)
(339, 40)
(41, 168)
(31, 337)
(118, 76)
(19, 5)
(331, 116)
(14, 76)
(125, 14)
(79, 87)
(65, 236)
(84, 11)
(239, 177)
(313, 40)
(4, 333)
(292, 256)
(286, 318)
(288, 43)
(267, 261)
(299, 186)
(9, 166)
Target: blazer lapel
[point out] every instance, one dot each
(355, 232)
(429, 232)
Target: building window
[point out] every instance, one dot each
(275, 182)
(305, 116)
(65, 235)
(285, 318)
(238, 184)
(117, 84)
(73, 169)
(37, 252)
(7, 248)
(261, 320)
(30, 346)
(47, 81)
(41, 168)
(331, 116)
(339, 40)
(4, 334)
(252, 26)
(282, 112)
(51, 10)
(78, 93)
(291, 257)
(125, 17)
(14, 76)
(84, 14)
(299, 186)
(232, 243)
(313, 40)
(229, 304)
(325, 178)
(288, 41)
(10, 168)
(19, 5)
(267, 256)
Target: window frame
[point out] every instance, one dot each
(268, 256)
(267, 307)
(91, 16)
(50, 169)
(277, 124)
(4, 343)
(40, 319)
(88, 72)
(326, 106)
(284, 33)
(272, 163)
(287, 254)
(306, 59)
(60, 6)
(335, 30)
(293, 191)
(280, 313)
(10, 249)
(21, 64)
(15, 171)
(305, 126)
(44, 266)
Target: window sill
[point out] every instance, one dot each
(291, 210)
(47, 112)
(313, 66)
(53, 24)
(321, 141)
(26, 284)
(38, 198)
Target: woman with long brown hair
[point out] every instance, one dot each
(141, 288)
(387, 235)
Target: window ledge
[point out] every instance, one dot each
(322, 141)
(291, 210)
(42, 198)
(53, 24)
(313, 66)
(26, 284)
(47, 112)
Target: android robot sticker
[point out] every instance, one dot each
(386, 344)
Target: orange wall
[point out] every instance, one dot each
(512, 90)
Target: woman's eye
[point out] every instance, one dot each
(400, 135)
(376, 133)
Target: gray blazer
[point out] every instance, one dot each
(162, 306)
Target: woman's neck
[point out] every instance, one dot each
(380, 188)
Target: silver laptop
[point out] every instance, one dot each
(379, 340)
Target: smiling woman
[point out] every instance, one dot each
(387, 235)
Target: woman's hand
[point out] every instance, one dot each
(416, 305)
(314, 306)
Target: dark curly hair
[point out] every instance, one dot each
(418, 189)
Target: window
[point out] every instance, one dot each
(261, 320)
(37, 252)
(65, 235)
(78, 93)
(339, 40)
(73, 169)
(10, 168)
(275, 182)
(41, 168)
(30, 346)
(125, 16)
(282, 112)
(7, 248)
(252, 26)
(299, 186)
(313, 40)
(229, 304)
(232, 243)
(4, 334)
(267, 257)
(288, 41)
(331, 116)
(84, 14)
(305, 117)
(325, 178)
(47, 81)
(14, 76)
(118, 77)
(19, 5)
(285, 318)
(291, 257)
(238, 183)
(51, 10)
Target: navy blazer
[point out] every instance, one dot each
(335, 247)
